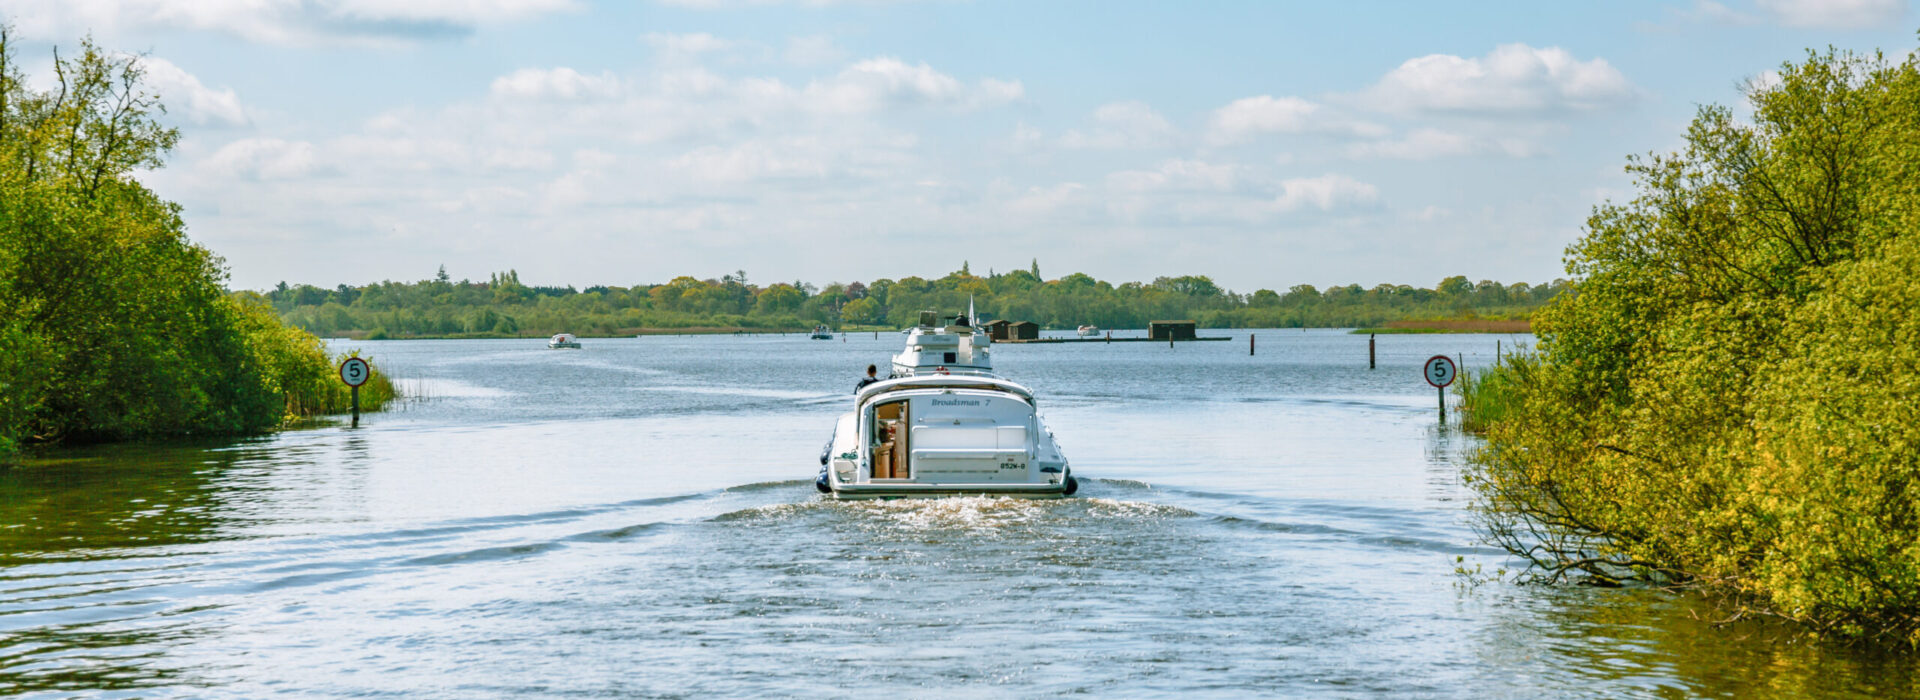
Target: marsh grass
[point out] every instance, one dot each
(1486, 395)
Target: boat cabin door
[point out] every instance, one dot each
(887, 442)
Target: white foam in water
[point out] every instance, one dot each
(440, 388)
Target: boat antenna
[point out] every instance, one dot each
(971, 318)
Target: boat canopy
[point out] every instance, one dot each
(936, 381)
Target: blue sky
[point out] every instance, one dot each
(1265, 144)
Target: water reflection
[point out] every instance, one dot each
(89, 503)
(1652, 643)
(93, 539)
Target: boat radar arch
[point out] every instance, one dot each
(955, 348)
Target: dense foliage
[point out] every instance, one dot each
(1730, 399)
(112, 324)
(502, 306)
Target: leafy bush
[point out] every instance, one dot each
(1730, 398)
(112, 324)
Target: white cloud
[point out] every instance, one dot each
(687, 44)
(878, 83)
(1121, 125)
(1716, 13)
(1513, 79)
(555, 84)
(1188, 192)
(1430, 214)
(297, 22)
(182, 92)
(1179, 175)
(518, 159)
(1049, 200)
(1027, 137)
(1819, 14)
(263, 159)
(1325, 193)
(1265, 114)
(1763, 81)
(747, 162)
(732, 4)
(1429, 143)
(1842, 14)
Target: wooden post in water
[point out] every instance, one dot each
(1169, 339)
(1249, 345)
(353, 395)
(1370, 363)
(1443, 406)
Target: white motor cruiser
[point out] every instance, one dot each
(943, 424)
(563, 340)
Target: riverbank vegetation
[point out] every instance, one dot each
(113, 325)
(1485, 395)
(1731, 400)
(501, 306)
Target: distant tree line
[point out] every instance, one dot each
(502, 306)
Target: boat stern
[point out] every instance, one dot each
(947, 441)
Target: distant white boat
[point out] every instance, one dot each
(1089, 330)
(943, 424)
(822, 332)
(563, 340)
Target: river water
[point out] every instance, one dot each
(637, 518)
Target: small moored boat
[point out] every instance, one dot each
(822, 332)
(944, 424)
(1089, 331)
(563, 340)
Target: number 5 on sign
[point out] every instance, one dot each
(355, 372)
(1440, 371)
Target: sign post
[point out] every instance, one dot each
(355, 372)
(1440, 372)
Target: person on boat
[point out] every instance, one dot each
(871, 377)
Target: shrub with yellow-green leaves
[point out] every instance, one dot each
(1730, 399)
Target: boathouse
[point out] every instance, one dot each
(1003, 330)
(1170, 330)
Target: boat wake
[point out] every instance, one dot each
(970, 515)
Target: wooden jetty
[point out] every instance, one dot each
(1098, 339)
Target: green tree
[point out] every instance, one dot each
(118, 326)
(779, 298)
(861, 311)
(1729, 400)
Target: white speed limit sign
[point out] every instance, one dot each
(1440, 371)
(355, 372)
